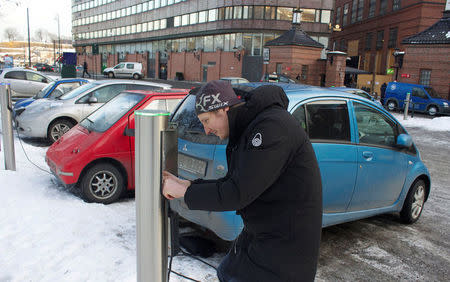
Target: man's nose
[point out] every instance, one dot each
(207, 130)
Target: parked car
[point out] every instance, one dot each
(24, 82)
(368, 162)
(97, 151)
(358, 92)
(235, 80)
(125, 70)
(276, 77)
(43, 67)
(51, 118)
(424, 98)
(52, 90)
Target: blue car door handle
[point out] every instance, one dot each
(368, 155)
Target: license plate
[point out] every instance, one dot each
(192, 165)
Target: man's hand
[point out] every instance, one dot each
(174, 187)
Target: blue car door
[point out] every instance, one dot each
(419, 98)
(381, 166)
(327, 124)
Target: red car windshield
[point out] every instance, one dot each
(107, 115)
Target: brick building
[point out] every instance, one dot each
(204, 40)
(427, 57)
(371, 30)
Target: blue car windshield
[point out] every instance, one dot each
(44, 91)
(78, 91)
(103, 118)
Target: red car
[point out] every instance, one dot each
(96, 155)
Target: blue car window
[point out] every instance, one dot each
(189, 126)
(299, 115)
(328, 120)
(374, 128)
(418, 92)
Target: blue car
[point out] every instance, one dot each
(52, 90)
(423, 98)
(369, 164)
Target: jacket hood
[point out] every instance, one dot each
(256, 101)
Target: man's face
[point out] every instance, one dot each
(216, 122)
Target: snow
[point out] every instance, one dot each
(49, 234)
(435, 124)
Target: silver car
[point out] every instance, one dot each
(24, 82)
(51, 118)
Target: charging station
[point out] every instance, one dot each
(156, 149)
(7, 130)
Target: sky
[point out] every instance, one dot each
(49, 234)
(42, 15)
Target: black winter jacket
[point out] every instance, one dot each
(274, 183)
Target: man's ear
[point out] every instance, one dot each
(226, 109)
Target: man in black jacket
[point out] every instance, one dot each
(273, 182)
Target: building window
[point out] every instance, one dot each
(354, 11)
(425, 77)
(228, 13)
(247, 12)
(259, 12)
(345, 18)
(343, 46)
(372, 6)
(212, 15)
(270, 13)
(337, 21)
(185, 19)
(325, 16)
(237, 13)
(177, 21)
(308, 15)
(380, 39)
(369, 38)
(396, 5)
(392, 38)
(383, 7)
(193, 18)
(360, 10)
(202, 17)
(284, 14)
(304, 72)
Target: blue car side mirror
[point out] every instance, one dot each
(404, 140)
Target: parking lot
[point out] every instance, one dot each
(376, 249)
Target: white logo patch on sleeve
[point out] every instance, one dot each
(257, 140)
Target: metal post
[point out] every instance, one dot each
(151, 208)
(7, 132)
(405, 115)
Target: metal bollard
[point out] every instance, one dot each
(7, 132)
(156, 149)
(405, 115)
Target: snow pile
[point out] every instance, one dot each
(435, 124)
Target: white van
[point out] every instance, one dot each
(125, 70)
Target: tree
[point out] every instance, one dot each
(11, 34)
(39, 35)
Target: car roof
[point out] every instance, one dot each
(160, 92)
(126, 81)
(346, 89)
(300, 92)
(232, 77)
